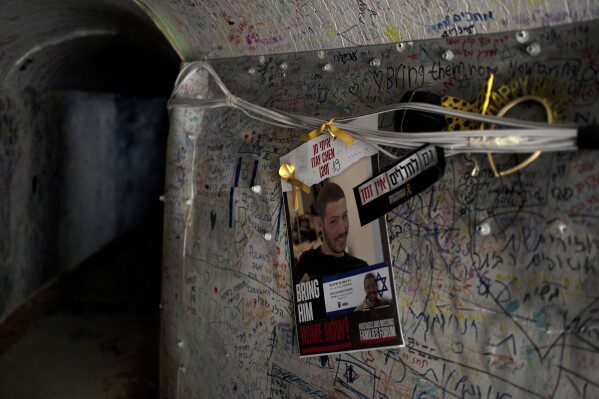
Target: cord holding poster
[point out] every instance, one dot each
(342, 280)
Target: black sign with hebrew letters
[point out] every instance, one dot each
(404, 179)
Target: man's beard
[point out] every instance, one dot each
(333, 243)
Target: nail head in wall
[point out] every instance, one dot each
(484, 229)
(375, 63)
(475, 170)
(321, 55)
(267, 236)
(447, 55)
(257, 189)
(562, 227)
(252, 71)
(522, 36)
(284, 66)
(533, 49)
(400, 47)
(262, 60)
(328, 67)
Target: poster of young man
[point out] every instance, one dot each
(342, 280)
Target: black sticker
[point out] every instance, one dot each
(401, 181)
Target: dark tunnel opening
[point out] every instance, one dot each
(84, 134)
(111, 63)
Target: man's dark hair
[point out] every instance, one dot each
(369, 276)
(330, 192)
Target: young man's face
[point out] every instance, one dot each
(335, 226)
(371, 289)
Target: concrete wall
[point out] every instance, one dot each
(474, 317)
(198, 28)
(77, 170)
(509, 314)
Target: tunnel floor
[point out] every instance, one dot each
(94, 333)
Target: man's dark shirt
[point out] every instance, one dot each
(319, 265)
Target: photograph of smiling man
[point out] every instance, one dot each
(332, 220)
(343, 285)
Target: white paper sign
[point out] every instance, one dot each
(324, 157)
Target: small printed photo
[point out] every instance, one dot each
(375, 290)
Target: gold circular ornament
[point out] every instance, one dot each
(534, 155)
(543, 89)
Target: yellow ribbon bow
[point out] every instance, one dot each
(333, 131)
(287, 172)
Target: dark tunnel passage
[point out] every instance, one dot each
(83, 119)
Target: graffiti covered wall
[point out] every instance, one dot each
(496, 277)
(231, 29)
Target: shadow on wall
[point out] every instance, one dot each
(78, 170)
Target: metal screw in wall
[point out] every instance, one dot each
(400, 47)
(562, 228)
(533, 49)
(284, 66)
(476, 169)
(522, 36)
(484, 229)
(321, 55)
(262, 60)
(375, 63)
(328, 67)
(447, 55)
(252, 70)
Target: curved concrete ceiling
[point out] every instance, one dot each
(41, 42)
(62, 44)
(215, 29)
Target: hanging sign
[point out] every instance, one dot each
(344, 292)
(409, 176)
(324, 156)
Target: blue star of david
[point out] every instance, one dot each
(350, 375)
(383, 285)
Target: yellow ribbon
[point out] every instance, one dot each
(485, 104)
(333, 130)
(287, 173)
